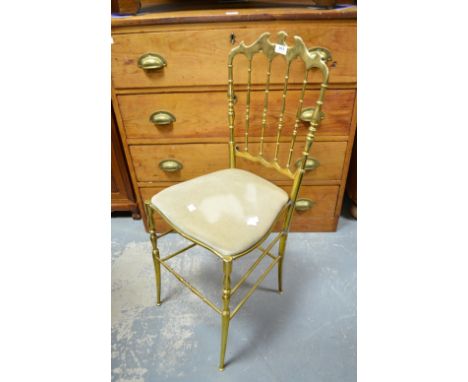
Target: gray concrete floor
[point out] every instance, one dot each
(307, 333)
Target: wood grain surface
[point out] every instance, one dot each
(196, 57)
(194, 120)
(225, 15)
(200, 159)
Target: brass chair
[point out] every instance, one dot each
(232, 212)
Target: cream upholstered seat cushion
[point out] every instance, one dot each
(228, 210)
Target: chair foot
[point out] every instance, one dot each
(157, 271)
(224, 336)
(280, 275)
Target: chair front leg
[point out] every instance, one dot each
(226, 314)
(155, 252)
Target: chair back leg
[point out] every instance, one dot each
(281, 250)
(226, 314)
(284, 236)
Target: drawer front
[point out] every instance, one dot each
(205, 114)
(315, 201)
(199, 57)
(317, 209)
(200, 159)
(320, 216)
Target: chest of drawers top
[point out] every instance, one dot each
(233, 15)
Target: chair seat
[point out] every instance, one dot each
(228, 211)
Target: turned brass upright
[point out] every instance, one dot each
(315, 58)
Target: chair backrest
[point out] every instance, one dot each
(314, 58)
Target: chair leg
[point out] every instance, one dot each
(155, 251)
(282, 248)
(226, 314)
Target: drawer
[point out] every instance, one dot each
(318, 204)
(199, 159)
(320, 216)
(199, 57)
(205, 114)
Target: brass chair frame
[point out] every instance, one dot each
(313, 58)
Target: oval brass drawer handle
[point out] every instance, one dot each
(311, 164)
(306, 114)
(170, 165)
(304, 204)
(151, 61)
(160, 118)
(324, 53)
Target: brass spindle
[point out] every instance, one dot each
(247, 107)
(296, 123)
(316, 115)
(265, 106)
(231, 115)
(283, 106)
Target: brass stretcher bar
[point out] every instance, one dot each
(265, 252)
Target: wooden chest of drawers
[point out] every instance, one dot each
(193, 88)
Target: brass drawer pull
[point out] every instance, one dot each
(151, 61)
(324, 53)
(170, 165)
(311, 164)
(307, 113)
(304, 204)
(161, 118)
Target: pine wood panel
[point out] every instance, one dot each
(193, 120)
(319, 218)
(349, 149)
(147, 20)
(122, 197)
(199, 56)
(125, 6)
(200, 159)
